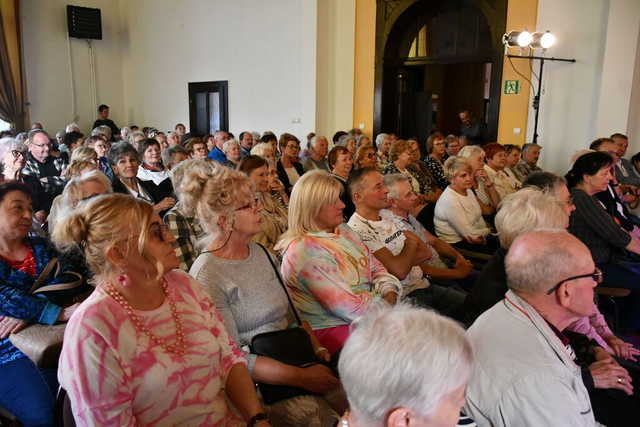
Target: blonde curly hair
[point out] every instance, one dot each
(212, 191)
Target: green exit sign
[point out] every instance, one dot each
(511, 87)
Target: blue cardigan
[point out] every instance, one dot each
(15, 300)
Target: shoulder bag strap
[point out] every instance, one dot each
(53, 262)
(295, 312)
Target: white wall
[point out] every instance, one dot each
(153, 48)
(47, 68)
(265, 49)
(592, 97)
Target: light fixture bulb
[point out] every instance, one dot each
(524, 39)
(547, 40)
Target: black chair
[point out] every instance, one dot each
(62, 410)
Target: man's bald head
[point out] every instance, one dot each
(539, 259)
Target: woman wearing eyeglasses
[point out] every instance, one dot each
(365, 157)
(147, 347)
(13, 155)
(241, 280)
(289, 167)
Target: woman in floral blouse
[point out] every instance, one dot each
(331, 274)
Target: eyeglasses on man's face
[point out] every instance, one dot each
(596, 276)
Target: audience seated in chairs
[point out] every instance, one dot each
(27, 392)
(551, 277)
(458, 214)
(513, 157)
(520, 212)
(614, 250)
(495, 168)
(246, 290)
(317, 159)
(421, 382)
(171, 356)
(331, 274)
(273, 213)
(401, 252)
(383, 143)
(289, 167)
(529, 162)
(152, 168)
(365, 157)
(483, 188)
(125, 162)
(402, 198)
(13, 157)
(436, 151)
(181, 221)
(341, 164)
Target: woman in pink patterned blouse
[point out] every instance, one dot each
(148, 347)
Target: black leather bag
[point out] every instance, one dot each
(291, 346)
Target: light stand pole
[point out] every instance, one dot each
(536, 98)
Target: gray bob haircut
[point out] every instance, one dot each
(402, 356)
(391, 181)
(526, 210)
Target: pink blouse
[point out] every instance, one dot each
(117, 376)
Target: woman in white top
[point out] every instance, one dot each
(495, 168)
(458, 216)
(152, 168)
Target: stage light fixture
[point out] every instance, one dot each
(542, 40)
(517, 39)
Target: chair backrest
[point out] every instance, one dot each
(62, 411)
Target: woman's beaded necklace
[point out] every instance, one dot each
(177, 348)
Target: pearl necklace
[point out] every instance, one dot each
(179, 347)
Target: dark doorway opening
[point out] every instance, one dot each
(434, 58)
(208, 107)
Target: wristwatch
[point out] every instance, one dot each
(260, 416)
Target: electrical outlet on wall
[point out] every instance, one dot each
(516, 131)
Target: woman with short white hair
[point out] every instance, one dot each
(332, 276)
(483, 188)
(458, 215)
(264, 150)
(231, 149)
(420, 382)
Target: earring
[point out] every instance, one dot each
(122, 278)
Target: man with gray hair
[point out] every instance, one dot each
(525, 372)
(317, 159)
(528, 162)
(220, 137)
(402, 200)
(42, 165)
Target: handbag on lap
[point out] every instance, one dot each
(42, 343)
(291, 346)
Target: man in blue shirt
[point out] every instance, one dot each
(217, 154)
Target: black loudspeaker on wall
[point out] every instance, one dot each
(84, 22)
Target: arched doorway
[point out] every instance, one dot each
(433, 58)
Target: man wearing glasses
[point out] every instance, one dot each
(42, 165)
(526, 372)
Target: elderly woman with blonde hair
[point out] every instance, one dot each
(458, 216)
(242, 279)
(331, 274)
(483, 188)
(421, 382)
(148, 344)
